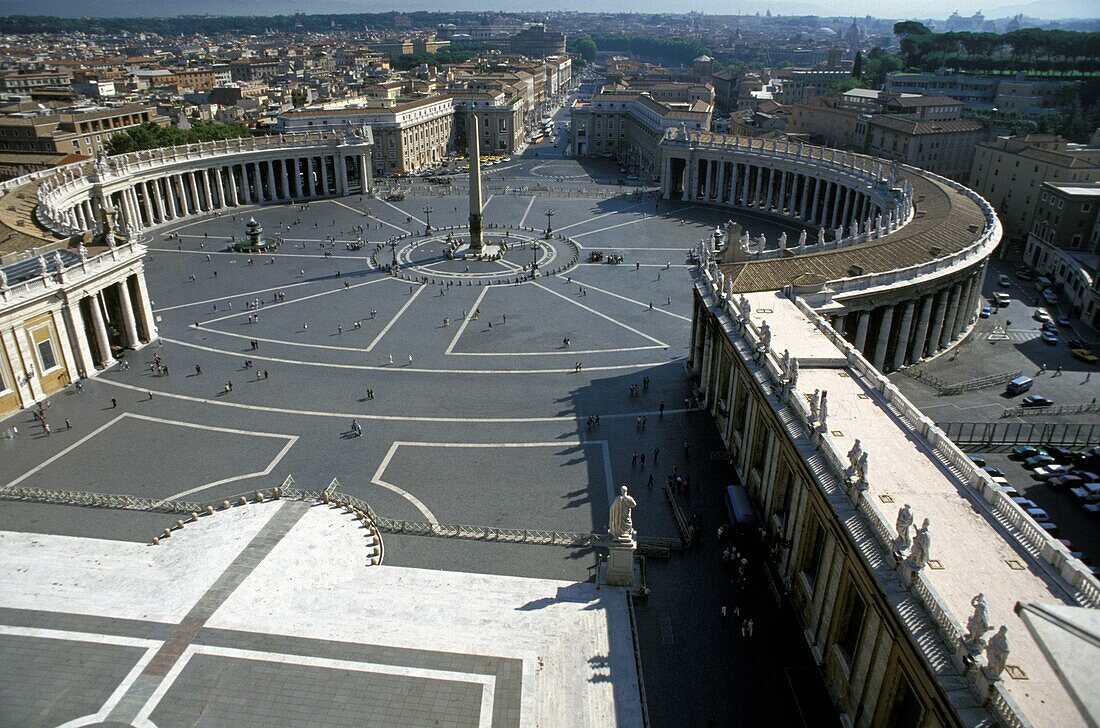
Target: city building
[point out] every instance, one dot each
(1007, 94)
(945, 147)
(802, 85)
(408, 136)
(1064, 245)
(32, 128)
(1009, 172)
(538, 42)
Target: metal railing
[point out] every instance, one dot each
(1058, 409)
(989, 434)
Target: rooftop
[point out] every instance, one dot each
(972, 549)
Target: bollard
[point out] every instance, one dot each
(276, 493)
(259, 497)
(156, 541)
(243, 501)
(167, 533)
(226, 505)
(194, 517)
(210, 510)
(179, 524)
(325, 498)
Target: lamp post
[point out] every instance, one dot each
(534, 259)
(393, 251)
(549, 212)
(427, 220)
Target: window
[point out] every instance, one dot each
(906, 710)
(851, 624)
(814, 553)
(46, 358)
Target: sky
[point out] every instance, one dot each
(1050, 9)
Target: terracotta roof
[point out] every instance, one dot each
(946, 219)
(916, 126)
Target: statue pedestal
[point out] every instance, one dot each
(618, 570)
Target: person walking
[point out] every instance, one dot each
(656, 452)
(114, 403)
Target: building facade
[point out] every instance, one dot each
(1064, 245)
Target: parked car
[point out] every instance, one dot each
(1084, 355)
(1086, 475)
(1038, 461)
(993, 472)
(1022, 452)
(1062, 454)
(1049, 471)
(1076, 344)
(1024, 274)
(1049, 337)
(977, 460)
(1010, 491)
(1036, 400)
(1040, 315)
(1092, 508)
(1049, 326)
(1050, 296)
(1064, 481)
(1004, 281)
(1050, 528)
(986, 312)
(1087, 493)
(1038, 514)
(1024, 503)
(1062, 321)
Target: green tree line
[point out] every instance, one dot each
(1031, 50)
(151, 136)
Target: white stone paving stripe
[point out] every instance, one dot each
(405, 369)
(361, 212)
(597, 217)
(291, 440)
(465, 321)
(612, 227)
(392, 321)
(376, 479)
(486, 203)
(290, 301)
(406, 213)
(603, 316)
(487, 682)
(393, 418)
(632, 300)
(523, 219)
(42, 465)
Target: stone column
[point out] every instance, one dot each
(708, 181)
(949, 316)
(144, 307)
(81, 221)
(839, 323)
(206, 193)
(882, 341)
(286, 179)
(861, 330)
(962, 316)
(324, 175)
(74, 322)
(171, 206)
(901, 349)
(849, 198)
(273, 192)
(158, 199)
(196, 194)
(733, 183)
(103, 342)
(771, 189)
(234, 187)
(922, 328)
(219, 185)
(129, 324)
(311, 183)
(745, 188)
(838, 192)
(722, 179)
(149, 214)
(804, 210)
(781, 204)
(939, 314)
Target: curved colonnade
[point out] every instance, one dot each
(67, 310)
(148, 188)
(899, 258)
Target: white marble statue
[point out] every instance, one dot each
(823, 410)
(903, 523)
(766, 336)
(922, 543)
(892, 179)
(621, 522)
(82, 251)
(785, 360)
(57, 263)
(996, 653)
(802, 239)
(745, 307)
(792, 374)
(853, 457)
(853, 229)
(42, 269)
(978, 624)
(839, 232)
(744, 242)
(821, 236)
(878, 223)
(783, 241)
(761, 242)
(861, 468)
(815, 405)
(3, 280)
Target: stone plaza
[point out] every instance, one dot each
(458, 392)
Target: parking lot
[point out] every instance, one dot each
(1074, 523)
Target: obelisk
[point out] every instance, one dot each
(476, 243)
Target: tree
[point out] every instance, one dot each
(151, 135)
(844, 85)
(585, 47)
(910, 27)
(857, 65)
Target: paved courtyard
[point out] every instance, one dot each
(482, 415)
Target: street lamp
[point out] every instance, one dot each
(427, 220)
(534, 260)
(393, 250)
(549, 212)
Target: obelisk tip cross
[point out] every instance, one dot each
(476, 243)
